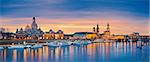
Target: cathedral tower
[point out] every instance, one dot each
(97, 29)
(108, 28)
(94, 29)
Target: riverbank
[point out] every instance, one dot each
(8, 42)
(94, 52)
(22, 41)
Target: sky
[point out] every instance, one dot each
(124, 16)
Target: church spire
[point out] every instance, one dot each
(97, 28)
(27, 28)
(94, 29)
(108, 28)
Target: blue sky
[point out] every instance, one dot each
(72, 8)
(134, 11)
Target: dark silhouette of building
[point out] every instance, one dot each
(34, 24)
(94, 29)
(108, 28)
(97, 29)
(7, 35)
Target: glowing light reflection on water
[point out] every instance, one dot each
(104, 52)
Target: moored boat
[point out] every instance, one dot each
(76, 42)
(36, 46)
(59, 43)
(85, 42)
(98, 40)
(28, 46)
(16, 47)
(1, 47)
(82, 42)
(53, 44)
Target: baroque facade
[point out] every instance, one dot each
(30, 32)
(35, 32)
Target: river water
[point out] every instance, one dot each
(95, 52)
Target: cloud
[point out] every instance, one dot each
(77, 13)
(118, 25)
(74, 8)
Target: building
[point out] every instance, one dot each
(134, 36)
(107, 33)
(34, 32)
(91, 36)
(2, 29)
(20, 34)
(96, 30)
(68, 36)
(34, 25)
(84, 35)
(6, 35)
(59, 34)
(53, 35)
(30, 32)
(49, 35)
(118, 37)
(145, 38)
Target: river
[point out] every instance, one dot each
(95, 52)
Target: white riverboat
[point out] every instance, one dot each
(16, 47)
(82, 42)
(98, 40)
(70, 42)
(28, 46)
(53, 44)
(85, 42)
(1, 47)
(59, 43)
(37, 46)
(77, 42)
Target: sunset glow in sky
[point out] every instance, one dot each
(124, 16)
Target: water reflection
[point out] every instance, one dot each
(14, 55)
(104, 52)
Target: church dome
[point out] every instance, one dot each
(51, 31)
(27, 27)
(59, 32)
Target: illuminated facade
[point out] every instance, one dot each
(4, 34)
(7, 35)
(134, 36)
(84, 35)
(107, 34)
(59, 34)
(20, 34)
(116, 37)
(34, 32)
(30, 32)
(49, 35)
(91, 36)
(53, 35)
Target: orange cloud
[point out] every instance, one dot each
(118, 26)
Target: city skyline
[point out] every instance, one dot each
(55, 27)
(74, 31)
(72, 16)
